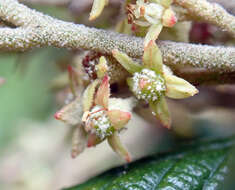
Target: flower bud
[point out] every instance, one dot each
(169, 19)
(102, 67)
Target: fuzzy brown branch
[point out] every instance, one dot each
(212, 13)
(38, 30)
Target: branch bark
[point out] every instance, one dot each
(212, 13)
(38, 30)
(228, 5)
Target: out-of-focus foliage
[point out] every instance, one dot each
(202, 165)
(26, 92)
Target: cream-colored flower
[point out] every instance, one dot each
(96, 119)
(153, 14)
(152, 81)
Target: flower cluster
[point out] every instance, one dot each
(98, 117)
(95, 118)
(153, 14)
(152, 81)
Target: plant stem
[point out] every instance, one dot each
(212, 13)
(38, 30)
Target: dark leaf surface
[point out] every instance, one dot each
(195, 166)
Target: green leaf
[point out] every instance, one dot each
(198, 165)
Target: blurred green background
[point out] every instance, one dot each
(25, 93)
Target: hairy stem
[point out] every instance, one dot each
(213, 13)
(38, 30)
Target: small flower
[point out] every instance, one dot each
(97, 8)
(153, 14)
(102, 123)
(97, 117)
(153, 80)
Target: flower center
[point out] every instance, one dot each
(148, 85)
(100, 123)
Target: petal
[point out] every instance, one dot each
(178, 88)
(116, 145)
(103, 93)
(119, 118)
(71, 114)
(97, 8)
(102, 67)
(153, 33)
(126, 62)
(79, 141)
(152, 57)
(161, 111)
(88, 95)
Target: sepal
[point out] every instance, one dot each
(70, 114)
(160, 110)
(103, 93)
(97, 8)
(79, 141)
(88, 95)
(153, 33)
(115, 143)
(118, 118)
(178, 88)
(126, 62)
(152, 57)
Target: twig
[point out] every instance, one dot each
(38, 30)
(228, 5)
(213, 13)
